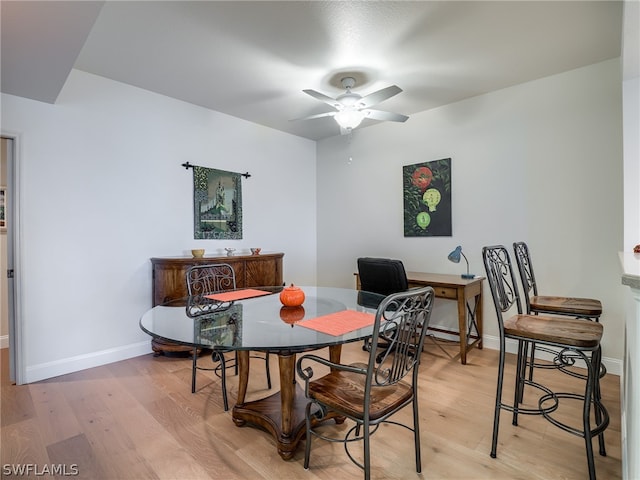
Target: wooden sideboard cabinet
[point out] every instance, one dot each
(169, 279)
(169, 273)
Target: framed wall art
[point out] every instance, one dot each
(217, 204)
(427, 199)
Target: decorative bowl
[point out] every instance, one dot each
(292, 296)
(230, 251)
(255, 251)
(197, 252)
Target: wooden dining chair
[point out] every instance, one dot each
(206, 279)
(369, 394)
(579, 337)
(536, 304)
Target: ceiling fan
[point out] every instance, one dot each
(352, 108)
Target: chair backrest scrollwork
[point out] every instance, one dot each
(207, 279)
(402, 319)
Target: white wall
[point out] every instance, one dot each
(539, 162)
(101, 190)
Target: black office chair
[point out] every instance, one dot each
(383, 276)
(369, 394)
(204, 280)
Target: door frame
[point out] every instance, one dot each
(14, 235)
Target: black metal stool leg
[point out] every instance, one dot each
(597, 398)
(496, 413)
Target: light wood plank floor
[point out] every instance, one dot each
(137, 419)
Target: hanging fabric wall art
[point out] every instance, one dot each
(217, 203)
(427, 199)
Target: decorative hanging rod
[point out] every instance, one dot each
(187, 165)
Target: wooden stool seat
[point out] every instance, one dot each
(568, 332)
(572, 306)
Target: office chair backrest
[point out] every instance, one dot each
(382, 275)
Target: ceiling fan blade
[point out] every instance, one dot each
(323, 98)
(385, 116)
(379, 96)
(310, 117)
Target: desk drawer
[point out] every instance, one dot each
(446, 292)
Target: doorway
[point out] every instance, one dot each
(8, 334)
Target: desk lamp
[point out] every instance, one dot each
(455, 258)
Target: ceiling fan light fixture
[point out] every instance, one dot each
(349, 118)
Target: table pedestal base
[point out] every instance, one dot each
(162, 347)
(280, 414)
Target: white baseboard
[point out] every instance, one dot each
(63, 366)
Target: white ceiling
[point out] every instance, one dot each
(253, 59)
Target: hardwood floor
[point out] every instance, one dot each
(137, 419)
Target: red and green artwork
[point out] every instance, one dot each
(427, 199)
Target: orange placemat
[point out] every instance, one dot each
(236, 295)
(339, 323)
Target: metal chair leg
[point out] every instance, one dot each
(223, 376)
(307, 447)
(194, 367)
(266, 359)
(416, 434)
(367, 450)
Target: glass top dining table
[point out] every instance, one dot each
(262, 323)
(258, 323)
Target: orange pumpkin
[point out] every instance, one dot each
(291, 315)
(292, 296)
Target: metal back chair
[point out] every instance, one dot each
(576, 307)
(587, 308)
(369, 394)
(204, 280)
(578, 337)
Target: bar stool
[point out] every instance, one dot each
(576, 307)
(580, 338)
